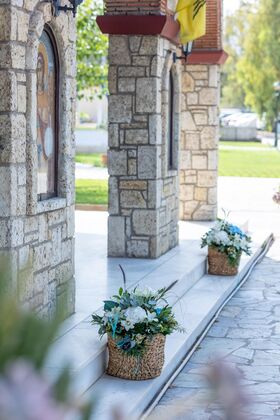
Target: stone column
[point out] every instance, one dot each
(143, 193)
(199, 142)
(199, 121)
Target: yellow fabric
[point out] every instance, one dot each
(191, 15)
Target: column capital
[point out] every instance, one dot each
(165, 26)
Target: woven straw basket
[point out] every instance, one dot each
(219, 265)
(145, 366)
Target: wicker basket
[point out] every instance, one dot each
(219, 265)
(145, 366)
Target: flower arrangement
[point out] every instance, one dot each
(228, 239)
(136, 323)
(276, 196)
(131, 317)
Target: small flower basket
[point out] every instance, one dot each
(226, 243)
(276, 197)
(145, 366)
(136, 323)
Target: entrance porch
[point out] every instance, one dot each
(196, 299)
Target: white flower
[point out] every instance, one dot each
(113, 313)
(135, 314)
(127, 325)
(237, 241)
(221, 238)
(151, 316)
(145, 292)
(244, 243)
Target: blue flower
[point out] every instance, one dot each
(126, 344)
(158, 311)
(235, 230)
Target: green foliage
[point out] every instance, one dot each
(252, 38)
(94, 159)
(23, 335)
(236, 27)
(132, 317)
(92, 48)
(25, 342)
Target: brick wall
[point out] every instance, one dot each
(212, 40)
(138, 7)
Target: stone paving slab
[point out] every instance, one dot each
(247, 335)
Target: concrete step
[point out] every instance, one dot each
(78, 344)
(194, 310)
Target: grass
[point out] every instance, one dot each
(243, 144)
(249, 163)
(94, 159)
(241, 163)
(91, 191)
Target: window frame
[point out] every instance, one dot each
(171, 162)
(45, 196)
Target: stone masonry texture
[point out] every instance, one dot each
(199, 142)
(143, 192)
(36, 238)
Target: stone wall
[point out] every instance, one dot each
(36, 237)
(143, 192)
(199, 142)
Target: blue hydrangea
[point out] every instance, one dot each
(235, 230)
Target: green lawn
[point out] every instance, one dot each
(242, 163)
(249, 163)
(91, 191)
(94, 159)
(243, 144)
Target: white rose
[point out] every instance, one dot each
(222, 238)
(135, 314)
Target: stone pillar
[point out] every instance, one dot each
(36, 237)
(199, 121)
(143, 192)
(199, 142)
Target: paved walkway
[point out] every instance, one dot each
(247, 335)
(247, 148)
(91, 141)
(85, 171)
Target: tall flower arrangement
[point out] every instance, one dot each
(131, 317)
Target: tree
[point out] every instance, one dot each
(259, 66)
(236, 27)
(92, 48)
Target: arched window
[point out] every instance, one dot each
(47, 115)
(170, 132)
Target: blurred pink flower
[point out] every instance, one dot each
(276, 197)
(25, 395)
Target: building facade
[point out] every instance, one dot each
(163, 134)
(37, 99)
(163, 126)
